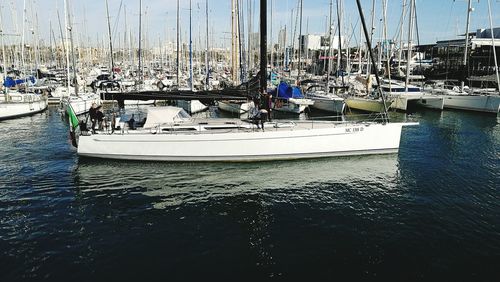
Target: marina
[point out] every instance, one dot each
(237, 141)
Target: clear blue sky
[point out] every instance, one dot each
(437, 19)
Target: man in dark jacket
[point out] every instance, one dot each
(93, 116)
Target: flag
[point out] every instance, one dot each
(73, 120)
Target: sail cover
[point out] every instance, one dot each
(286, 91)
(165, 115)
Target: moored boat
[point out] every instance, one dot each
(15, 104)
(170, 134)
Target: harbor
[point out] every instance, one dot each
(243, 142)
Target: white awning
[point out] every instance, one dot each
(165, 115)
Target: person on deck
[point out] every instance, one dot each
(99, 117)
(131, 123)
(93, 116)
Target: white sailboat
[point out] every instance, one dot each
(170, 134)
(80, 102)
(481, 101)
(327, 102)
(15, 104)
(289, 99)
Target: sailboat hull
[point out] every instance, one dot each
(321, 140)
(478, 103)
(367, 105)
(22, 108)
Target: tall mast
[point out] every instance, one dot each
(330, 42)
(207, 60)
(23, 39)
(410, 38)
(369, 67)
(249, 41)
(400, 51)
(140, 39)
(369, 47)
(125, 45)
(5, 89)
(73, 59)
(235, 42)
(271, 36)
(110, 42)
(63, 41)
(469, 10)
(339, 53)
(190, 47)
(300, 41)
(493, 45)
(178, 42)
(263, 46)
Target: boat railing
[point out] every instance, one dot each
(370, 117)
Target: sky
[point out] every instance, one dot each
(437, 19)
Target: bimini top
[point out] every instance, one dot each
(165, 115)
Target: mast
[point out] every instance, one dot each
(300, 41)
(5, 89)
(73, 59)
(63, 41)
(369, 66)
(207, 61)
(469, 10)
(178, 44)
(400, 51)
(110, 42)
(369, 46)
(235, 41)
(140, 39)
(493, 45)
(330, 42)
(410, 38)
(271, 35)
(23, 39)
(339, 54)
(190, 47)
(263, 46)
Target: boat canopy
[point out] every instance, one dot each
(11, 82)
(165, 115)
(286, 91)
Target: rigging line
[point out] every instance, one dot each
(418, 37)
(353, 34)
(400, 26)
(117, 21)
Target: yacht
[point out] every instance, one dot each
(170, 134)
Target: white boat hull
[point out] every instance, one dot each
(329, 105)
(81, 104)
(478, 103)
(401, 101)
(431, 102)
(321, 140)
(293, 106)
(26, 105)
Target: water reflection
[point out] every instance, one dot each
(176, 183)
